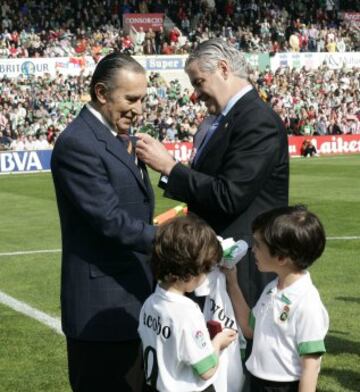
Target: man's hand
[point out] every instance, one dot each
(154, 154)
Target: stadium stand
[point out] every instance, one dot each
(33, 110)
(93, 27)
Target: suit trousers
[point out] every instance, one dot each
(105, 366)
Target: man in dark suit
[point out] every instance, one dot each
(105, 204)
(241, 168)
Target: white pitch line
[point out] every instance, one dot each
(30, 252)
(22, 307)
(52, 322)
(354, 237)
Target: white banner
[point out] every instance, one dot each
(171, 67)
(24, 161)
(315, 60)
(27, 67)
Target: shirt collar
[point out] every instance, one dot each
(171, 296)
(294, 291)
(235, 98)
(100, 117)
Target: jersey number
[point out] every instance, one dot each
(151, 367)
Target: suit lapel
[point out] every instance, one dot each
(224, 125)
(213, 141)
(112, 145)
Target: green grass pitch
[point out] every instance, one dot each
(32, 356)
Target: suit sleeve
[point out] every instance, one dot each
(81, 178)
(248, 162)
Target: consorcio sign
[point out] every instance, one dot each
(146, 21)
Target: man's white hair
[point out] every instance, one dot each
(209, 53)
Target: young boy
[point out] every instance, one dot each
(178, 353)
(289, 322)
(219, 314)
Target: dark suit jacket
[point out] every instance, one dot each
(106, 210)
(242, 171)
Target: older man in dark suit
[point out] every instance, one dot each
(241, 168)
(105, 204)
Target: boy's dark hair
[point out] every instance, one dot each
(184, 247)
(292, 232)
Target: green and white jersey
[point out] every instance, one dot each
(287, 324)
(176, 343)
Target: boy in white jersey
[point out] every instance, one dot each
(289, 322)
(178, 353)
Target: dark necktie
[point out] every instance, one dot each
(127, 142)
(208, 135)
(125, 138)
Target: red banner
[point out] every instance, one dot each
(155, 21)
(325, 145)
(180, 151)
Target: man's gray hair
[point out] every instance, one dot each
(208, 54)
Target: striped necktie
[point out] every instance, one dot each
(209, 133)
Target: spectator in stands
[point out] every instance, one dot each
(139, 40)
(334, 128)
(160, 37)
(167, 49)
(5, 141)
(18, 144)
(320, 126)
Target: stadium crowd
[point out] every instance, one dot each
(34, 110)
(69, 28)
(316, 102)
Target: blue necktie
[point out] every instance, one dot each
(209, 133)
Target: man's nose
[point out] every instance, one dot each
(137, 108)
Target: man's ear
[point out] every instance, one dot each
(101, 92)
(223, 66)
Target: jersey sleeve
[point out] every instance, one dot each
(311, 327)
(196, 348)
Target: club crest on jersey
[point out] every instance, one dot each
(200, 339)
(285, 313)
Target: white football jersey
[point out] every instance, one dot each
(176, 343)
(218, 307)
(287, 324)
